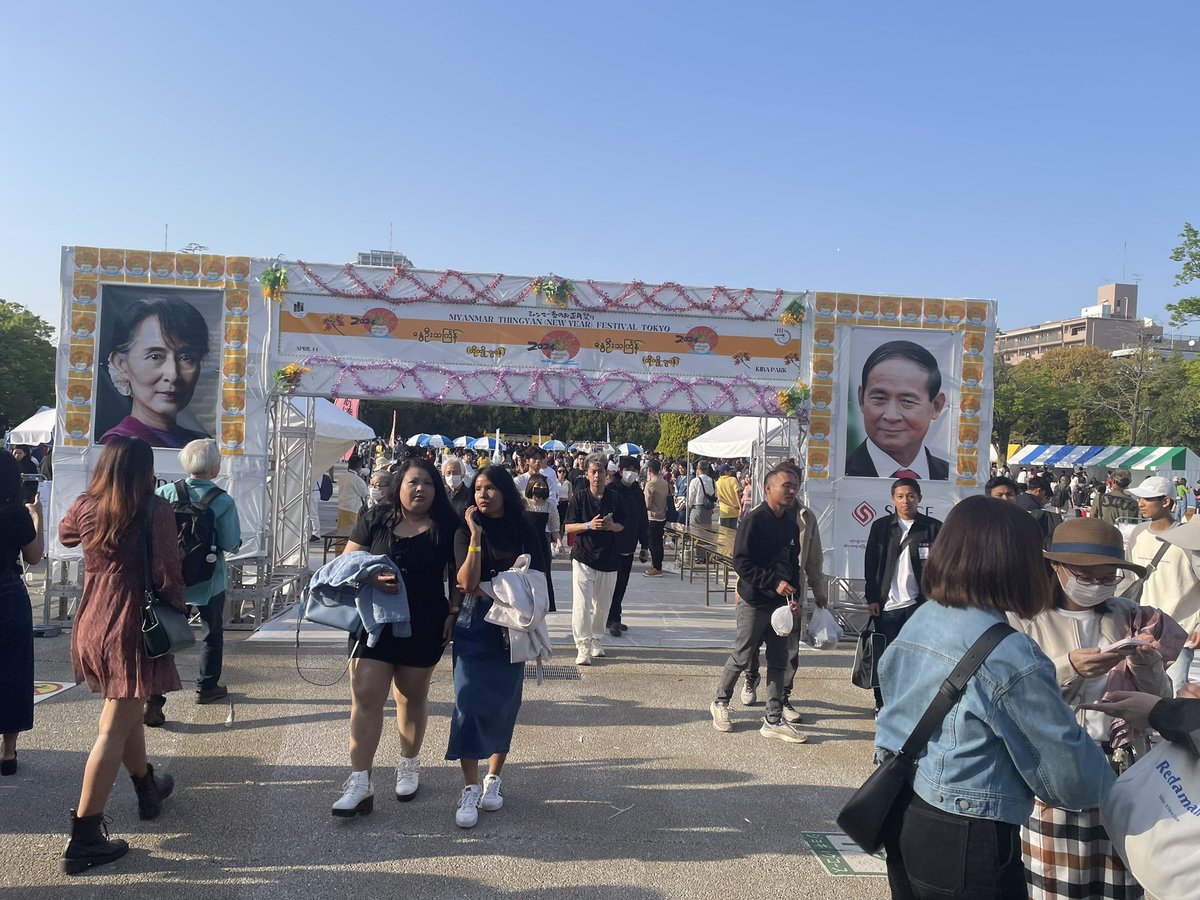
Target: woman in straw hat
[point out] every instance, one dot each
(1068, 854)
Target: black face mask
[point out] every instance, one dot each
(541, 493)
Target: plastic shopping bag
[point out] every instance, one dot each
(824, 629)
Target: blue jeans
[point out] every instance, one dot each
(212, 642)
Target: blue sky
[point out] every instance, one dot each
(1010, 151)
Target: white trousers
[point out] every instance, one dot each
(591, 596)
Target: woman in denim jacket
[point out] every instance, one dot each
(1009, 738)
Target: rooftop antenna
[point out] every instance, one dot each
(1137, 278)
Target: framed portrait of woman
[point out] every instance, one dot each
(159, 360)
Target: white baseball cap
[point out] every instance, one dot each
(1154, 486)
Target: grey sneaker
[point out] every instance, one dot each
(720, 717)
(782, 731)
(749, 694)
(791, 714)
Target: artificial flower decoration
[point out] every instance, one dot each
(793, 400)
(274, 282)
(288, 378)
(793, 313)
(557, 291)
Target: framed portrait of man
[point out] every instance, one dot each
(903, 391)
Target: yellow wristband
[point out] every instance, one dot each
(474, 549)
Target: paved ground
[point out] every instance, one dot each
(617, 786)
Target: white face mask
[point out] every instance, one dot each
(376, 494)
(629, 476)
(454, 481)
(1087, 595)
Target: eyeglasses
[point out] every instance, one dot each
(1106, 580)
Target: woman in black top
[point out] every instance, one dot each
(414, 526)
(20, 536)
(487, 684)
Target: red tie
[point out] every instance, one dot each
(906, 473)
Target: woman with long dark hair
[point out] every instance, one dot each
(487, 684)
(20, 538)
(414, 525)
(110, 520)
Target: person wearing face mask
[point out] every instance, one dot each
(544, 516)
(1067, 853)
(637, 528)
(381, 480)
(457, 487)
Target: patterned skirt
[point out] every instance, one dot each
(1068, 855)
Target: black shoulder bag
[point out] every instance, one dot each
(164, 628)
(868, 816)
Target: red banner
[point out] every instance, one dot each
(348, 405)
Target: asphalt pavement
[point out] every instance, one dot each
(617, 784)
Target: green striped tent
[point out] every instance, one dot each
(1067, 456)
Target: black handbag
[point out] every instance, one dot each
(164, 628)
(871, 644)
(873, 811)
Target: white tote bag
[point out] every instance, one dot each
(1152, 815)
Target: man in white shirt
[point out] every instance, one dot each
(1172, 584)
(900, 397)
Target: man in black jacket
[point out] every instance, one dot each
(766, 556)
(637, 527)
(897, 548)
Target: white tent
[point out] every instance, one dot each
(37, 429)
(733, 437)
(336, 432)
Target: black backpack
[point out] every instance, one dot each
(197, 527)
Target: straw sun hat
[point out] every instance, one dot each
(1089, 542)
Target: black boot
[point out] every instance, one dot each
(152, 790)
(153, 716)
(88, 847)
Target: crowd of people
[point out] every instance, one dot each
(1006, 794)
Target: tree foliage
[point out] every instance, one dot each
(26, 364)
(1083, 395)
(1187, 253)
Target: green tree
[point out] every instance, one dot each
(1187, 253)
(26, 364)
(677, 430)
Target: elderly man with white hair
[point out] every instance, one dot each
(201, 460)
(458, 488)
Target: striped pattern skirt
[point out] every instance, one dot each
(1068, 855)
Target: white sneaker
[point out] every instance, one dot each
(720, 717)
(492, 799)
(408, 778)
(596, 650)
(749, 694)
(583, 658)
(468, 807)
(358, 798)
